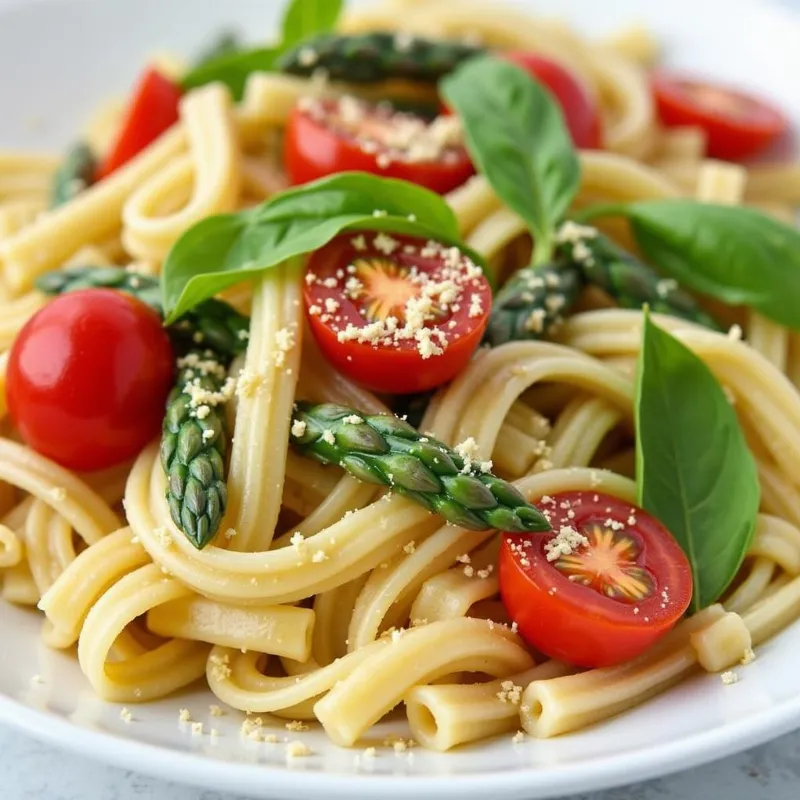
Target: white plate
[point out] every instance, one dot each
(58, 58)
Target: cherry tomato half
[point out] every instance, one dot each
(324, 137)
(394, 313)
(579, 108)
(88, 378)
(599, 602)
(737, 125)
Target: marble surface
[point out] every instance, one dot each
(30, 770)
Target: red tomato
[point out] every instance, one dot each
(580, 109)
(737, 125)
(328, 136)
(396, 314)
(602, 602)
(153, 109)
(88, 378)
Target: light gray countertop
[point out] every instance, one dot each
(30, 770)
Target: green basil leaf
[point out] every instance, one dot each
(224, 43)
(232, 69)
(736, 254)
(221, 251)
(306, 18)
(516, 135)
(694, 470)
(301, 20)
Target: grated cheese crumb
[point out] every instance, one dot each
(297, 749)
(518, 737)
(510, 693)
(353, 419)
(299, 428)
(58, 493)
(749, 657)
(163, 536)
(327, 436)
(319, 557)
(565, 543)
(296, 725)
(37, 679)
(215, 711)
(197, 729)
(370, 752)
(214, 733)
(729, 677)
(220, 670)
(184, 715)
(125, 715)
(410, 548)
(284, 342)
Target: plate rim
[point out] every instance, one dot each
(268, 781)
(223, 775)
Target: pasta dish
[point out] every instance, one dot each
(430, 360)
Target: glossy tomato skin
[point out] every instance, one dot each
(737, 125)
(315, 149)
(577, 623)
(88, 378)
(400, 368)
(579, 107)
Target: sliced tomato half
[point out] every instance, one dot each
(605, 585)
(395, 313)
(737, 125)
(324, 137)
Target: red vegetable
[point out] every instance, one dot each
(88, 378)
(395, 313)
(153, 109)
(598, 603)
(324, 137)
(580, 109)
(737, 125)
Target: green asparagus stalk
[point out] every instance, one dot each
(214, 324)
(193, 444)
(626, 279)
(376, 57)
(74, 175)
(385, 450)
(533, 302)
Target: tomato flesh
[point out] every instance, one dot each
(324, 137)
(737, 125)
(579, 108)
(152, 110)
(396, 314)
(601, 600)
(88, 378)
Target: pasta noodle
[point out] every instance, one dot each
(326, 598)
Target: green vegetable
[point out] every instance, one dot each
(214, 324)
(75, 174)
(695, 472)
(302, 19)
(377, 57)
(221, 251)
(194, 460)
(626, 279)
(226, 43)
(533, 302)
(516, 136)
(387, 451)
(736, 254)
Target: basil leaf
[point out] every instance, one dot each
(694, 470)
(306, 18)
(232, 69)
(224, 44)
(301, 20)
(736, 254)
(516, 135)
(224, 250)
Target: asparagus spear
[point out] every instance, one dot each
(626, 279)
(213, 324)
(376, 57)
(387, 451)
(193, 444)
(74, 175)
(533, 302)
